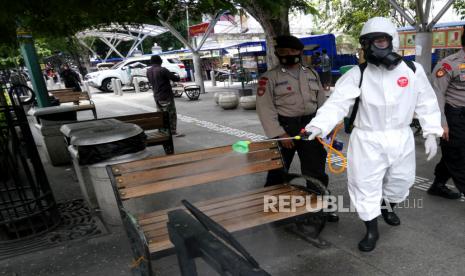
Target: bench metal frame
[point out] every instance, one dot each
(203, 238)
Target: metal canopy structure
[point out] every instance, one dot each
(112, 35)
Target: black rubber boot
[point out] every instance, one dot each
(369, 241)
(371, 237)
(440, 189)
(389, 216)
(332, 217)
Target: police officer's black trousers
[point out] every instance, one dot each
(312, 154)
(452, 163)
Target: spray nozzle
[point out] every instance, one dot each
(241, 146)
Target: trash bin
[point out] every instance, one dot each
(49, 120)
(93, 146)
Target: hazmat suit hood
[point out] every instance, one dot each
(375, 28)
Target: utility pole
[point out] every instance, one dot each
(28, 51)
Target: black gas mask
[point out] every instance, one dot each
(380, 53)
(289, 59)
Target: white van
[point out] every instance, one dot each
(123, 71)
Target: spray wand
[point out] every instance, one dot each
(333, 146)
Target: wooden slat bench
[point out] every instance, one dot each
(148, 231)
(70, 96)
(152, 123)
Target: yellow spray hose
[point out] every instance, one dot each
(331, 149)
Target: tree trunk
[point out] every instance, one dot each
(273, 24)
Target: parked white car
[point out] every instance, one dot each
(125, 70)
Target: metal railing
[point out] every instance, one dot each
(27, 205)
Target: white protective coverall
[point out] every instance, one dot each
(381, 153)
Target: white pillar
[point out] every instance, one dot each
(423, 46)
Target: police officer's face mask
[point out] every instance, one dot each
(289, 59)
(288, 56)
(379, 51)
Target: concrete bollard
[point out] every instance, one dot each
(86, 86)
(230, 78)
(192, 75)
(113, 86)
(50, 84)
(135, 81)
(119, 87)
(212, 76)
(216, 96)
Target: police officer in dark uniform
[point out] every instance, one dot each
(288, 97)
(449, 85)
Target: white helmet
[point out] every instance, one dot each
(381, 25)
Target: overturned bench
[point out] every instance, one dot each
(148, 232)
(156, 126)
(69, 96)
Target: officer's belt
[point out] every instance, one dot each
(297, 117)
(454, 110)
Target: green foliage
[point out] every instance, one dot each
(354, 13)
(55, 20)
(459, 6)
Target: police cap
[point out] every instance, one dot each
(288, 41)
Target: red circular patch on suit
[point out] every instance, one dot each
(289, 88)
(402, 81)
(447, 66)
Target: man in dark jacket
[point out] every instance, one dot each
(70, 78)
(159, 77)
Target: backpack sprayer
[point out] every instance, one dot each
(330, 142)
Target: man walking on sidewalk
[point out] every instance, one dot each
(160, 77)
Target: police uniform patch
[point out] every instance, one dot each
(262, 86)
(440, 73)
(262, 81)
(447, 66)
(281, 83)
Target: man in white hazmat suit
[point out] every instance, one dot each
(381, 153)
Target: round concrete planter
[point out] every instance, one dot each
(228, 101)
(247, 102)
